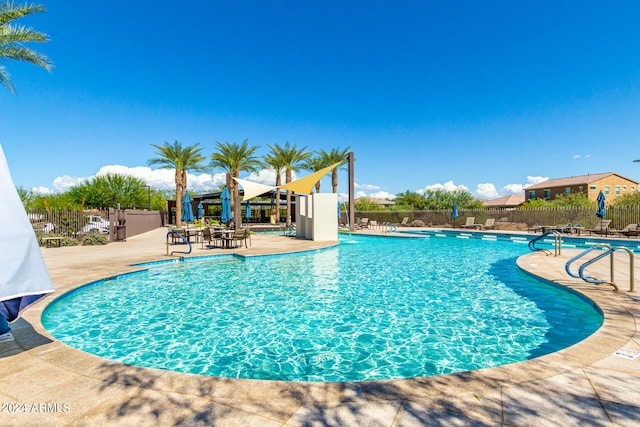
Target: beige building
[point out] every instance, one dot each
(610, 183)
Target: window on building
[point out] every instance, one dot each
(606, 190)
(532, 194)
(633, 188)
(567, 190)
(547, 194)
(592, 187)
(617, 190)
(580, 188)
(624, 188)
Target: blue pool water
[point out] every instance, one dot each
(371, 308)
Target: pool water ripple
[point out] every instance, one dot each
(379, 308)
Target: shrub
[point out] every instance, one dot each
(94, 239)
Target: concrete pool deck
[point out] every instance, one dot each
(46, 383)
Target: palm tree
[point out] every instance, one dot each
(233, 158)
(292, 161)
(334, 156)
(271, 160)
(13, 37)
(314, 164)
(174, 156)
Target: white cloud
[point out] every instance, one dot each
(487, 191)
(448, 186)
(578, 156)
(532, 180)
(65, 182)
(384, 195)
(42, 190)
(163, 179)
(366, 186)
(513, 189)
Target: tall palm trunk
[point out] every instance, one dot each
(179, 195)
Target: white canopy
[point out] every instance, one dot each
(22, 269)
(253, 189)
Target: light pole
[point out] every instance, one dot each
(148, 187)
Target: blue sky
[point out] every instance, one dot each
(489, 95)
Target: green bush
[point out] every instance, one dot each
(94, 239)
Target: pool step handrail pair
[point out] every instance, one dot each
(180, 236)
(608, 251)
(557, 242)
(391, 227)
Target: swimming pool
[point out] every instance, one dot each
(371, 308)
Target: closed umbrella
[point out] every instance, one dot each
(225, 198)
(200, 210)
(187, 208)
(454, 213)
(601, 212)
(247, 213)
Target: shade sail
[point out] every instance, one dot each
(305, 184)
(23, 274)
(253, 189)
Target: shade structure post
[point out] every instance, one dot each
(352, 202)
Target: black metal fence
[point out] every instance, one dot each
(67, 222)
(517, 219)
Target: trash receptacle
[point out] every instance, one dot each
(121, 233)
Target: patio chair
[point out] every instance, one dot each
(489, 223)
(630, 230)
(601, 228)
(404, 223)
(471, 223)
(364, 223)
(237, 238)
(209, 235)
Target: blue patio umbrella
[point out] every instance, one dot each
(247, 212)
(601, 212)
(454, 213)
(225, 198)
(187, 208)
(200, 211)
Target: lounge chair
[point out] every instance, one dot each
(601, 228)
(364, 223)
(489, 223)
(404, 223)
(471, 222)
(630, 230)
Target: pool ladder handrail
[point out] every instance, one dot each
(185, 240)
(610, 252)
(557, 243)
(391, 227)
(567, 266)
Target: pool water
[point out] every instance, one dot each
(372, 308)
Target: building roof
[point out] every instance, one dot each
(510, 200)
(574, 180)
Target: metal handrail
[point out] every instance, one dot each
(390, 225)
(567, 266)
(557, 242)
(611, 282)
(183, 239)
